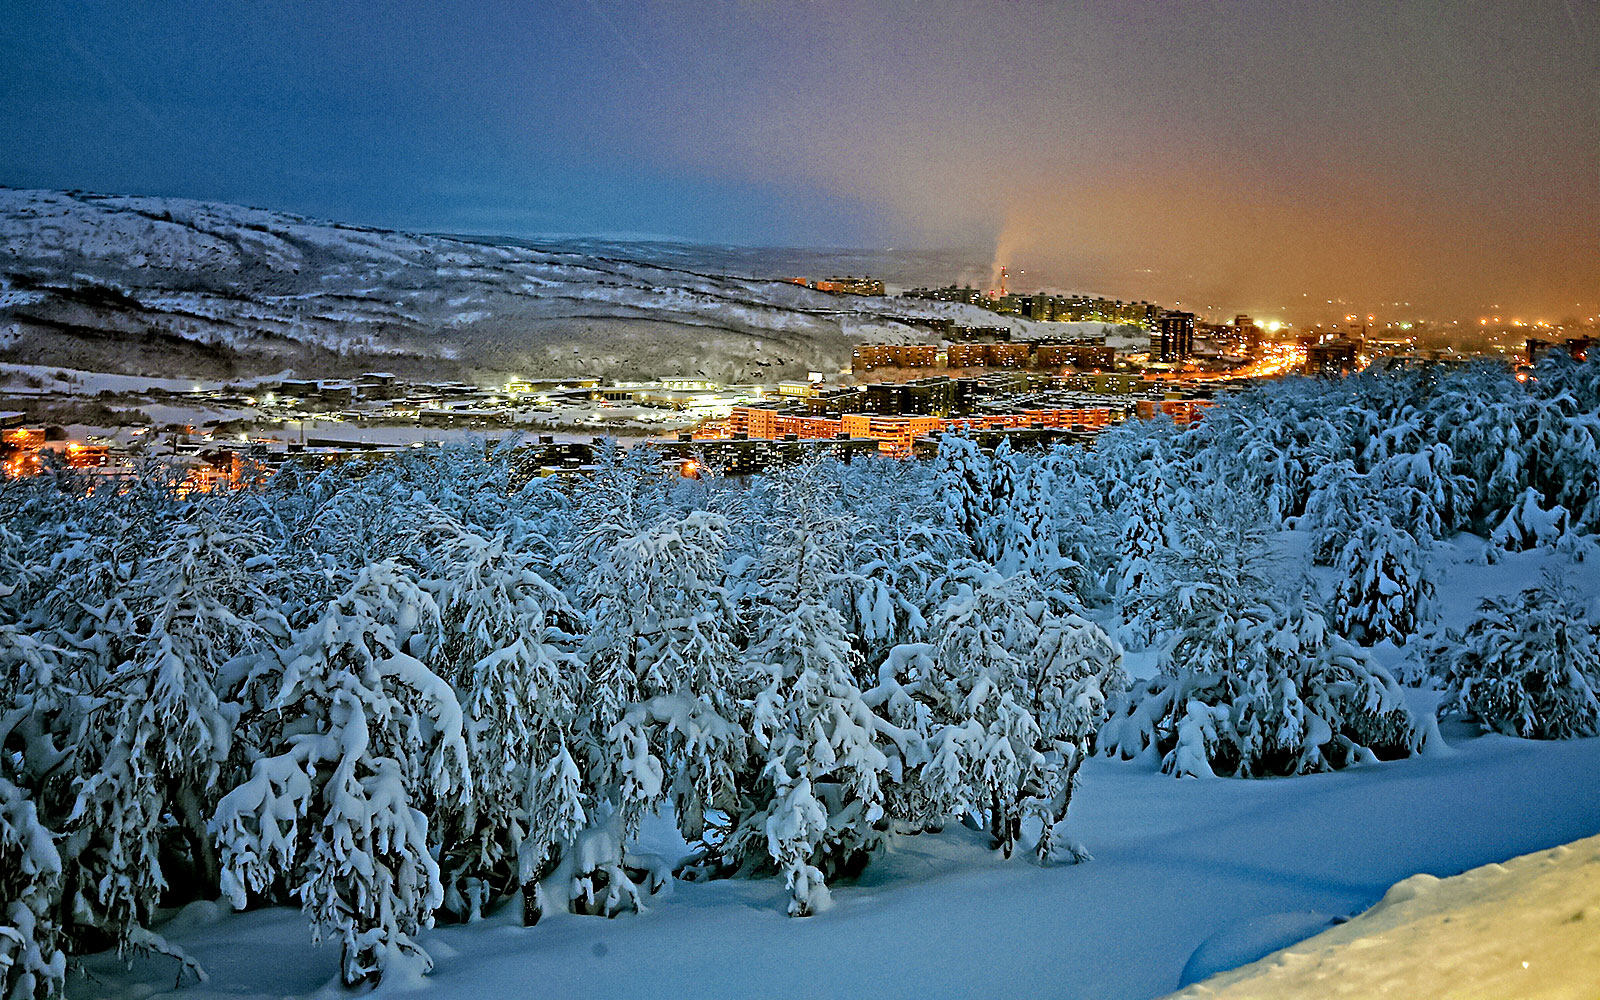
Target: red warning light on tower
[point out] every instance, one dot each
(999, 293)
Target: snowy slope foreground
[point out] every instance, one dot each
(164, 285)
(1177, 864)
(1527, 928)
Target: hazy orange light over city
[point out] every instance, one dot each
(1292, 160)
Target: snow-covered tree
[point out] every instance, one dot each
(37, 715)
(354, 734)
(1384, 587)
(1528, 524)
(895, 581)
(506, 651)
(817, 803)
(1082, 521)
(1144, 552)
(1257, 686)
(32, 962)
(1334, 509)
(664, 689)
(975, 490)
(1443, 497)
(1529, 665)
(1017, 691)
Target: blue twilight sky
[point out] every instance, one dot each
(1265, 155)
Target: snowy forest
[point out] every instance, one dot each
(425, 689)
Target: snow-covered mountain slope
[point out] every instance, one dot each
(164, 285)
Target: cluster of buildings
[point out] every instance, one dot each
(971, 379)
(848, 285)
(1173, 335)
(899, 436)
(1334, 357)
(1172, 332)
(201, 464)
(1577, 347)
(196, 465)
(519, 402)
(902, 418)
(1047, 308)
(381, 395)
(1019, 355)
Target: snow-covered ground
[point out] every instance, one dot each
(1526, 928)
(1177, 863)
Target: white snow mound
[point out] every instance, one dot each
(1527, 928)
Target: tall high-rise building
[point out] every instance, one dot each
(1334, 357)
(1248, 335)
(1175, 340)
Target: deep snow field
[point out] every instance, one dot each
(1189, 878)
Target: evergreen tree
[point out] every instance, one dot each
(1384, 588)
(1017, 692)
(356, 734)
(1529, 665)
(817, 805)
(506, 651)
(1260, 688)
(1334, 509)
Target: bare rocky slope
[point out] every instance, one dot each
(160, 286)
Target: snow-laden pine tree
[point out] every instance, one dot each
(197, 604)
(816, 804)
(131, 605)
(1004, 506)
(1334, 509)
(893, 584)
(1074, 669)
(1212, 540)
(353, 736)
(1384, 587)
(1529, 525)
(32, 963)
(974, 489)
(1144, 547)
(1017, 689)
(663, 641)
(507, 651)
(1529, 665)
(38, 711)
(1251, 682)
(1082, 521)
(1442, 496)
(618, 501)
(1260, 687)
(1031, 541)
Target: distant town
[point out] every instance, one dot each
(893, 401)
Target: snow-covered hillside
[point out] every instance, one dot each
(166, 285)
(1179, 866)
